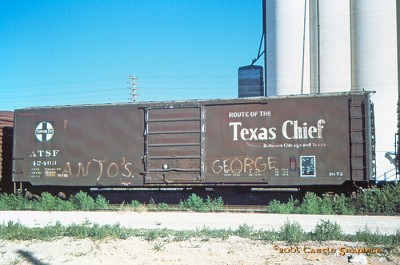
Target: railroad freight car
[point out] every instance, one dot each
(6, 134)
(308, 141)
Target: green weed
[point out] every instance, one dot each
(198, 204)
(293, 233)
(384, 200)
(327, 230)
(311, 204)
(82, 201)
(276, 206)
(159, 246)
(245, 231)
(101, 203)
(343, 205)
(14, 202)
(135, 205)
(48, 202)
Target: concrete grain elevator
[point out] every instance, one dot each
(319, 46)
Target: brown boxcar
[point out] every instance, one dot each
(293, 141)
(6, 134)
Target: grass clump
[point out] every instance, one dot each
(313, 204)
(135, 205)
(293, 233)
(290, 232)
(14, 202)
(198, 204)
(47, 202)
(327, 230)
(81, 201)
(343, 205)
(157, 207)
(385, 200)
(276, 206)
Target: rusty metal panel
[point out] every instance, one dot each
(290, 141)
(79, 146)
(6, 139)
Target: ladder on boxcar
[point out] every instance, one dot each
(362, 149)
(173, 144)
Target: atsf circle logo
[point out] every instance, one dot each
(44, 131)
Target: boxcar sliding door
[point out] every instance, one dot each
(173, 144)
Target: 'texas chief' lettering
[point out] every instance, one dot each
(290, 130)
(251, 134)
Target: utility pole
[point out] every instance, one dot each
(133, 88)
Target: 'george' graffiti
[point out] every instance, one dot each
(99, 168)
(244, 165)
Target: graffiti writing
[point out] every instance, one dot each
(99, 167)
(244, 165)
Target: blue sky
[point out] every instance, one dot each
(82, 52)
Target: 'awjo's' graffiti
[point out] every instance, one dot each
(102, 168)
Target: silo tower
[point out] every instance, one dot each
(315, 46)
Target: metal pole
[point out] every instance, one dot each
(304, 40)
(133, 87)
(318, 36)
(264, 9)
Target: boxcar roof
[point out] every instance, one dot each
(202, 101)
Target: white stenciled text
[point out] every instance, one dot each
(291, 129)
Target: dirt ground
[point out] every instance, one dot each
(134, 250)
